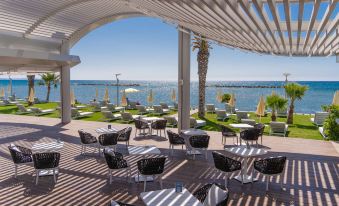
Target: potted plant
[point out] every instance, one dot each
(275, 102)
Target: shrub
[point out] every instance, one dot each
(331, 125)
(225, 98)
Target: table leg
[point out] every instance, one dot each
(246, 178)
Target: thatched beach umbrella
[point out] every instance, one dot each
(72, 98)
(336, 98)
(2, 93)
(150, 97)
(232, 101)
(260, 108)
(219, 96)
(106, 96)
(124, 99)
(31, 96)
(173, 95)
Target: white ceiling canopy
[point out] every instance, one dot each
(279, 27)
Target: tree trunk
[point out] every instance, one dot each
(30, 79)
(273, 116)
(290, 113)
(48, 91)
(202, 73)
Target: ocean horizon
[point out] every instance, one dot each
(247, 95)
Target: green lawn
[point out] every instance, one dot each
(302, 127)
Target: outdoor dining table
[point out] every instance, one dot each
(186, 134)
(245, 153)
(143, 150)
(106, 130)
(169, 197)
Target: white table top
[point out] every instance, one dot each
(241, 126)
(169, 197)
(106, 130)
(47, 147)
(150, 119)
(242, 151)
(192, 132)
(143, 150)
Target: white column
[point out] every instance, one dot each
(65, 88)
(184, 80)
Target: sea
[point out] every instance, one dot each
(247, 93)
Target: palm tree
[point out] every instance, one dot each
(30, 79)
(294, 91)
(48, 80)
(203, 46)
(275, 102)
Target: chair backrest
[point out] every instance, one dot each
(320, 117)
(141, 108)
(108, 139)
(242, 115)
(261, 127)
(112, 159)
(226, 129)
(20, 154)
(86, 138)
(46, 160)
(110, 107)
(250, 134)
(132, 105)
(193, 122)
(210, 108)
(158, 109)
(163, 105)
(224, 163)
(96, 105)
(173, 137)
(126, 116)
(229, 108)
(278, 127)
(159, 124)
(221, 113)
(21, 108)
(107, 114)
(151, 166)
(36, 110)
(124, 134)
(271, 165)
(199, 141)
(140, 124)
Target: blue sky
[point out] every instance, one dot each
(146, 49)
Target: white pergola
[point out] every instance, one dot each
(36, 35)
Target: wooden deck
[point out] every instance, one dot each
(311, 174)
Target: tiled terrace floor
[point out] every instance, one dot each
(311, 175)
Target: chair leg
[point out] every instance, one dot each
(110, 176)
(267, 181)
(160, 181)
(145, 178)
(54, 177)
(281, 181)
(261, 139)
(15, 170)
(252, 174)
(226, 180)
(36, 177)
(85, 150)
(206, 153)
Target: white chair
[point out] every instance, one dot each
(319, 118)
(38, 111)
(109, 116)
(210, 108)
(79, 114)
(278, 128)
(22, 109)
(242, 115)
(221, 115)
(196, 123)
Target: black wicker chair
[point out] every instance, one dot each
(87, 139)
(142, 126)
(261, 127)
(124, 135)
(226, 165)
(116, 161)
(251, 134)
(112, 203)
(20, 156)
(108, 140)
(202, 193)
(151, 167)
(272, 166)
(199, 142)
(46, 162)
(174, 140)
(227, 132)
(159, 125)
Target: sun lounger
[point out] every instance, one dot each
(142, 109)
(282, 113)
(128, 117)
(210, 108)
(22, 109)
(196, 123)
(319, 118)
(278, 128)
(242, 115)
(132, 105)
(37, 111)
(158, 110)
(5, 102)
(76, 114)
(96, 107)
(171, 121)
(109, 116)
(229, 109)
(221, 115)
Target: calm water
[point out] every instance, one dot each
(319, 93)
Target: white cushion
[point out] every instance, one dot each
(214, 196)
(14, 147)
